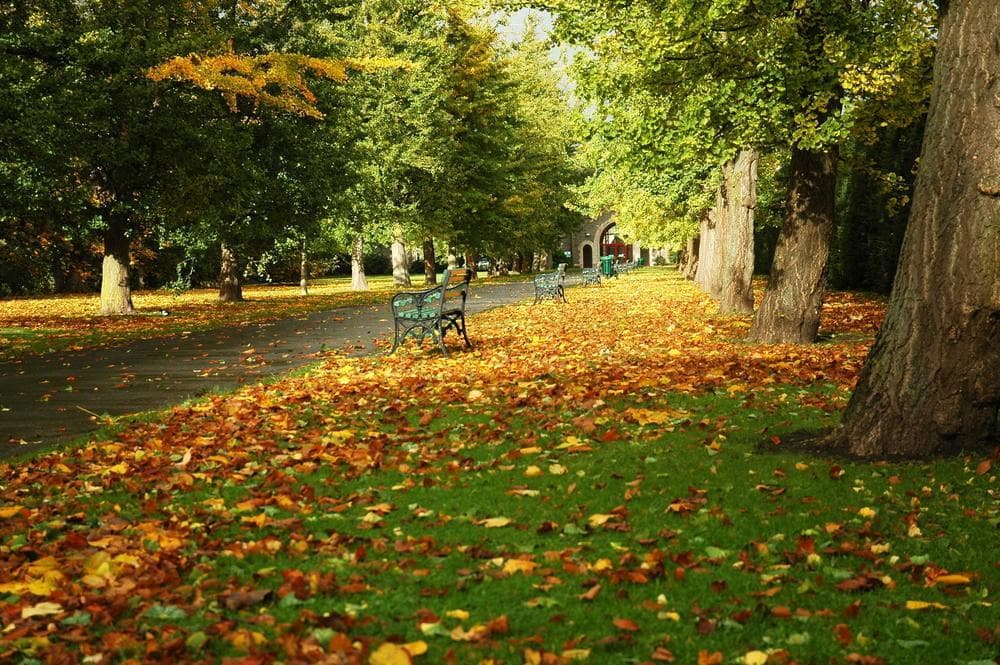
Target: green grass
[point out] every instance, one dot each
(749, 557)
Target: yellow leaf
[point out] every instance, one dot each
(390, 654)
(99, 564)
(533, 471)
(513, 566)
(754, 658)
(867, 512)
(474, 395)
(575, 654)
(474, 634)
(923, 605)
(495, 522)
(668, 616)
(557, 469)
(128, 559)
(530, 450)
(598, 519)
(602, 565)
(121, 468)
(417, 648)
(258, 520)
(6, 512)
(41, 610)
(461, 615)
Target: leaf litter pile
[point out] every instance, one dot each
(604, 481)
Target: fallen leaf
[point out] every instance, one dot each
(390, 654)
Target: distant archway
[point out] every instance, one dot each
(614, 245)
(588, 256)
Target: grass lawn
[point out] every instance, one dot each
(610, 480)
(54, 323)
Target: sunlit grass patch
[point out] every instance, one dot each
(605, 480)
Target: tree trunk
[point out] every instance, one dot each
(932, 381)
(358, 280)
(116, 293)
(230, 289)
(303, 269)
(430, 262)
(470, 262)
(400, 260)
(794, 296)
(693, 251)
(736, 241)
(707, 258)
(452, 259)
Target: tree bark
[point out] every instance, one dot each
(116, 292)
(932, 381)
(303, 269)
(693, 252)
(792, 302)
(400, 260)
(230, 289)
(358, 280)
(736, 240)
(707, 257)
(470, 262)
(430, 262)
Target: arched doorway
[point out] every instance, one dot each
(614, 245)
(588, 256)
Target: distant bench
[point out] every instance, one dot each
(591, 276)
(551, 285)
(432, 311)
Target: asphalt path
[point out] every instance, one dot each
(52, 398)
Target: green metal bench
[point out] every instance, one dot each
(591, 276)
(551, 285)
(432, 311)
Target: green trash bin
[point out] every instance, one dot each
(606, 265)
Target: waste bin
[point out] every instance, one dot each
(638, 262)
(606, 265)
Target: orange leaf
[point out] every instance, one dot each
(626, 624)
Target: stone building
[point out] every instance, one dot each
(599, 237)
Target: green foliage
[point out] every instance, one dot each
(677, 87)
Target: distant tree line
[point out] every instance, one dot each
(178, 142)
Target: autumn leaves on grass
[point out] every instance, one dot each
(582, 486)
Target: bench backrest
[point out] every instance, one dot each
(455, 288)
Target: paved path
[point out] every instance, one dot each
(52, 398)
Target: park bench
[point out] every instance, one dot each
(432, 311)
(625, 267)
(551, 284)
(591, 276)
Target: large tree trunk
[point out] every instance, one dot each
(794, 296)
(470, 261)
(430, 262)
(230, 289)
(303, 269)
(736, 241)
(707, 256)
(932, 382)
(116, 293)
(358, 280)
(400, 260)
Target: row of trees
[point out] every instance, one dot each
(256, 130)
(705, 110)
